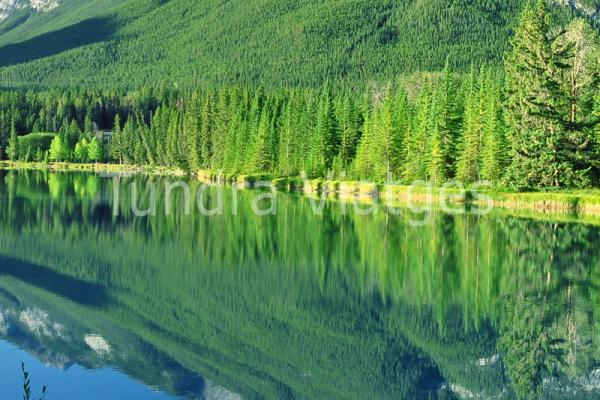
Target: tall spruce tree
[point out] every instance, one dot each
(415, 163)
(494, 151)
(287, 139)
(191, 134)
(13, 143)
(206, 121)
(261, 155)
(326, 131)
(349, 130)
(537, 109)
(469, 164)
(385, 151)
(596, 141)
(447, 125)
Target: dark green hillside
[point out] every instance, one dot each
(276, 43)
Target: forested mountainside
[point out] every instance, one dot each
(128, 43)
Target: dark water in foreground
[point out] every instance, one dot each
(296, 305)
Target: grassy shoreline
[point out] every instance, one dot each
(566, 203)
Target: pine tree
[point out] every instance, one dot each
(494, 151)
(310, 145)
(537, 109)
(13, 143)
(437, 170)
(221, 129)
(261, 156)
(128, 142)
(415, 165)
(206, 132)
(387, 140)
(402, 120)
(174, 155)
(235, 133)
(469, 164)
(326, 131)
(447, 125)
(349, 128)
(363, 166)
(116, 141)
(88, 124)
(72, 134)
(288, 157)
(595, 173)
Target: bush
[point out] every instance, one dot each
(33, 145)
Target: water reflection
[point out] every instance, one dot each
(298, 305)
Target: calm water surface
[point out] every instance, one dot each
(287, 306)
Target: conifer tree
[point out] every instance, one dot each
(326, 131)
(537, 109)
(494, 148)
(596, 141)
(116, 141)
(175, 158)
(287, 138)
(88, 124)
(363, 166)
(447, 125)
(261, 157)
(72, 134)
(385, 152)
(221, 128)
(469, 163)
(206, 132)
(13, 143)
(415, 166)
(349, 127)
(402, 120)
(191, 133)
(308, 148)
(437, 170)
(128, 143)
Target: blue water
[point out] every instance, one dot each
(297, 305)
(75, 382)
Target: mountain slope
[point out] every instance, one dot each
(284, 42)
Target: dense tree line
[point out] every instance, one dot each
(533, 125)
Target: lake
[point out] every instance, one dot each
(105, 300)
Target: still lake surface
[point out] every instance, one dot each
(294, 305)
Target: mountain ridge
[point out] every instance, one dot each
(279, 43)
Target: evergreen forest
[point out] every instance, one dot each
(532, 123)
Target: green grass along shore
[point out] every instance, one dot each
(565, 204)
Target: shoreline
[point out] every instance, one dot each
(575, 203)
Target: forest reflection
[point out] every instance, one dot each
(338, 305)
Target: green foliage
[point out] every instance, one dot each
(548, 144)
(58, 149)
(536, 120)
(13, 144)
(108, 43)
(95, 150)
(34, 146)
(80, 154)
